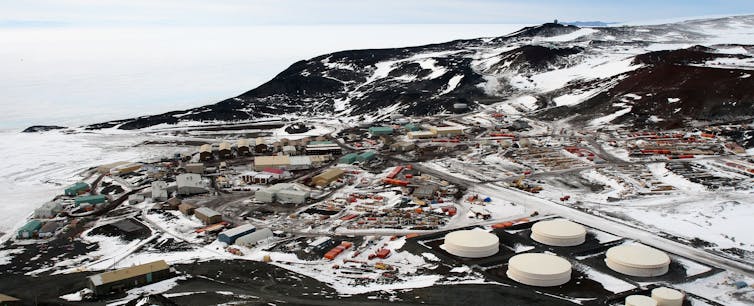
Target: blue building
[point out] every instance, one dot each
(232, 234)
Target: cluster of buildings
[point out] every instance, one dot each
(261, 147)
(45, 222)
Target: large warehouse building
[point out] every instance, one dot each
(471, 243)
(539, 269)
(559, 232)
(207, 216)
(327, 177)
(276, 162)
(637, 260)
(232, 234)
(120, 280)
(252, 239)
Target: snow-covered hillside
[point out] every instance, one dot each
(658, 74)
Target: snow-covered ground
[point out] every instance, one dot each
(37, 166)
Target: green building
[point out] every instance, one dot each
(76, 189)
(349, 158)
(380, 130)
(91, 199)
(366, 156)
(412, 127)
(27, 231)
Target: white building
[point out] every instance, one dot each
(289, 150)
(48, 210)
(282, 193)
(299, 163)
(252, 239)
(267, 195)
(189, 183)
(291, 196)
(159, 190)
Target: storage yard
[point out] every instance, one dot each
(409, 204)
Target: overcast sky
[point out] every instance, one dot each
(15, 13)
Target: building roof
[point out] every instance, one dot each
(128, 225)
(274, 170)
(380, 129)
(238, 230)
(31, 226)
(277, 187)
(294, 192)
(78, 185)
(300, 160)
(243, 143)
(323, 142)
(94, 197)
(331, 174)
(206, 211)
(50, 226)
(224, 145)
(205, 148)
(411, 127)
(255, 237)
(425, 191)
(122, 274)
(272, 160)
(421, 133)
(51, 206)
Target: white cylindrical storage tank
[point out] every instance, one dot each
(558, 232)
(667, 297)
(640, 300)
(637, 260)
(471, 243)
(539, 269)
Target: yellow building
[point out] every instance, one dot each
(277, 162)
(446, 131)
(420, 135)
(327, 177)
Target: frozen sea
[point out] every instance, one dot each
(74, 76)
